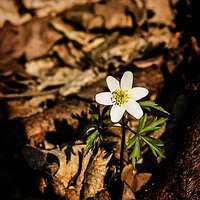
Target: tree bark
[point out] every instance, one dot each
(183, 178)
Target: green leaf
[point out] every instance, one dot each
(155, 145)
(154, 141)
(142, 122)
(131, 141)
(154, 125)
(90, 141)
(136, 153)
(150, 104)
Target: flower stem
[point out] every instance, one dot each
(122, 144)
(123, 125)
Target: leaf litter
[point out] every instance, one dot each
(54, 57)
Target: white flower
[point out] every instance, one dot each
(122, 97)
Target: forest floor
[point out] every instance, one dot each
(54, 58)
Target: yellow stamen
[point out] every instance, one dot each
(120, 97)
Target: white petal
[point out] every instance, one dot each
(112, 83)
(133, 108)
(116, 113)
(138, 93)
(127, 80)
(104, 98)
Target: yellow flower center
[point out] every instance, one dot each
(120, 97)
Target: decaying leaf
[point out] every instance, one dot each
(21, 109)
(95, 174)
(108, 15)
(72, 34)
(102, 195)
(161, 11)
(71, 194)
(51, 7)
(39, 67)
(63, 165)
(82, 78)
(34, 39)
(9, 12)
(133, 181)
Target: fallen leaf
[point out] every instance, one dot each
(39, 67)
(95, 174)
(162, 12)
(72, 34)
(52, 7)
(141, 180)
(71, 194)
(134, 181)
(40, 38)
(9, 12)
(34, 39)
(155, 61)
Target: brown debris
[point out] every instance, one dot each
(94, 178)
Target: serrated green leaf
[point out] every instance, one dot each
(131, 141)
(150, 104)
(90, 141)
(156, 148)
(136, 153)
(142, 122)
(153, 141)
(154, 125)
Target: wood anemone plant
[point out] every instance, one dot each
(123, 98)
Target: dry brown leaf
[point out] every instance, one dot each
(128, 177)
(68, 170)
(141, 180)
(72, 34)
(95, 174)
(163, 14)
(39, 67)
(102, 195)
(12, 42)
(155, 61)
(128, 48)
(52, 7)
(21, 109)
(133, 180)
(109, 14)
(58, 187)
(65, 170)
(82, 78)
(158, 37)
(61, 76)
(40, 38)
(9, 12)
(114, 14)
(64, 53)
(128, 193)
(71, 194)
(34, 39)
